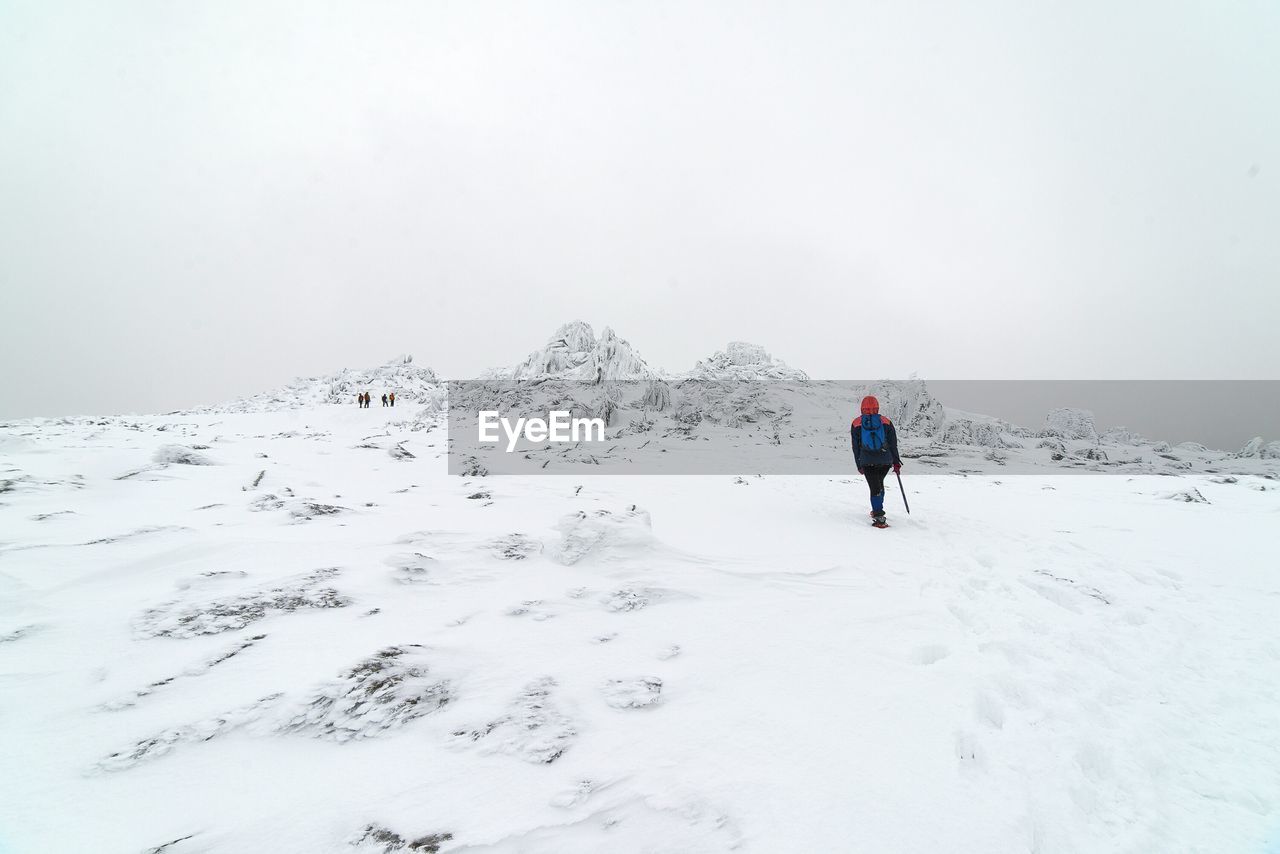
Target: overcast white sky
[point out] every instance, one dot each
(202, 200)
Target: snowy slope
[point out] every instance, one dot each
(318, 642)
(410, 382)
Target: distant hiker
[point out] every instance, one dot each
(875, 451)
(384, 399)
(392, 397)
(364, 399)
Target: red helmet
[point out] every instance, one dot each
(870, 406)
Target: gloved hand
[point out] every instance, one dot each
(897, 467)
(860, 471)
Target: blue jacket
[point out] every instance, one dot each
(886, 456)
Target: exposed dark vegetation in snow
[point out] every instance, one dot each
(399, 452)
(162, 743)
(515, 547)
(19, 633)
(375, 839)
(1190, 495)
(385, 691)
(304, 511)
(199, 669)
(163, 847)
(535, 730)
(184, 619)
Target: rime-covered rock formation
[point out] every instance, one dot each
(743, 361)
(982, 433)
(1255, 449)
(1066, 423)
(908, 403)
(573, 353)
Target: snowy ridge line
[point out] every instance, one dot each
(574, 355)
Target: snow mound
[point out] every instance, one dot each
(181, 455)
(602, 534)
(385, 691)
(410, 382)
(633, 693)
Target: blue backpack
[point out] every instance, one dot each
(872, 432)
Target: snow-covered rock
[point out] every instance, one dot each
(1068, 423)
(603, 534)
(574, 353)
(745, 362)
(1121, 436)
(1256, 449)
(908, 403)
(978, 433)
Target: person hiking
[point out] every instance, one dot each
(875, 451)
(384, 399)
(364, 400)
(392, 398)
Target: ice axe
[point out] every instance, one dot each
(898, 475)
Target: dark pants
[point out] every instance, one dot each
(875, 476)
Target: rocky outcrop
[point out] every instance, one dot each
(574, 353)
(1069, 423)
(745, 362)
(1256, 449)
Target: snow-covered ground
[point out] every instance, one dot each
(291, 631)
